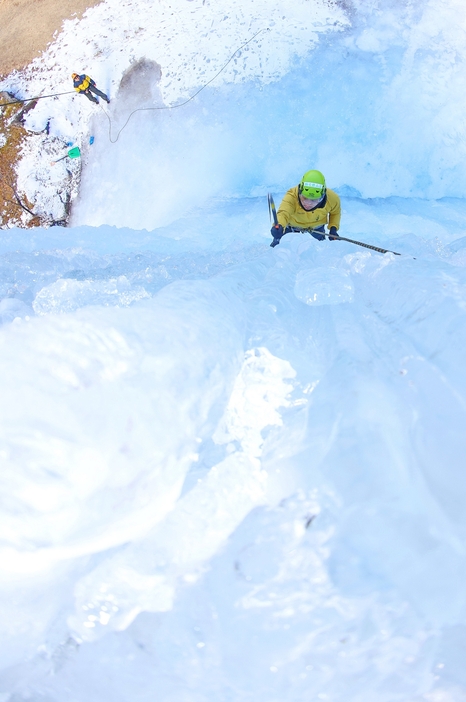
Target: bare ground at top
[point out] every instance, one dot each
(27, 27)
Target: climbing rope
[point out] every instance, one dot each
(39, 97)
(181, 104)
(140, 109)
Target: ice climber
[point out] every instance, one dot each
(85, 85)
(308, 207)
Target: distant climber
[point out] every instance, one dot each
(84, 84)
(308, 206)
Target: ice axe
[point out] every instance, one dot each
(273, 213)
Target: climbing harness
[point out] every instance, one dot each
(181, 104)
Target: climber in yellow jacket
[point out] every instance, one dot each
(309, 206)
(85, 85)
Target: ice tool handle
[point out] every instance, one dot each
(273, 215)
(367, 246)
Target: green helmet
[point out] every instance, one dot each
(312, 185)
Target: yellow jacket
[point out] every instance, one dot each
(292, 213)
(81, 83)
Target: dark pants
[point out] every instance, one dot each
(93, 89)
(317, 232)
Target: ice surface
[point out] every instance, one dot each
(231, 472)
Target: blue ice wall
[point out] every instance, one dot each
(377, 107)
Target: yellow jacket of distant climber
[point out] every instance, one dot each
(85, 85)
(82, 82)
(292, 214)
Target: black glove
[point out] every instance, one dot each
(277, 233)
(333, 234)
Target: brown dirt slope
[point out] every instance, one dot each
(27, 27)
(12, 134)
